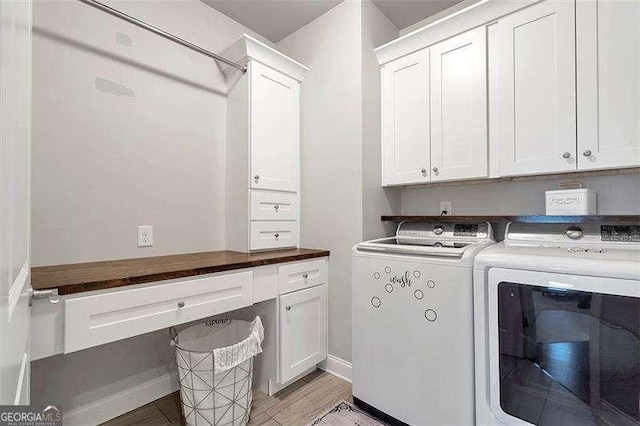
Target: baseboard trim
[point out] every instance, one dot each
(337, 366)
(120, 403)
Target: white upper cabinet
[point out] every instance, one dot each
(459, 107)
(608, 64)
(536, 89)
(405, 120)
(275, 129)
(531, 87)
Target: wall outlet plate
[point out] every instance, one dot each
(445, 208)
(145, 236)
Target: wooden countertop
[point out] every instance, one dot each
(81, 277)
(631, 219)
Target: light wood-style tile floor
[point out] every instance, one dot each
(298, 404)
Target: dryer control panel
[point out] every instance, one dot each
(602, 235)
(621, 233)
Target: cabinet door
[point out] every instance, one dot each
(459, 107)
(536, 89)
(303, 331)
(405, 120)
(608, 40)
(275, 130)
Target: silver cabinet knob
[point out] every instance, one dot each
(276, 207)
(180, 304)
(435, 170)
(305, 276)
(257, 177)
(276, 235)
(587, 153)
(438, 230)
(423, 171)
(574, 232)
(566, 155)
(288, 308)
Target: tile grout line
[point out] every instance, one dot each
(161, 412)
(274, 420)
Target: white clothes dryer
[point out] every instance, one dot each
(557, 326)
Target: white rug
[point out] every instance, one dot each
(345, 414)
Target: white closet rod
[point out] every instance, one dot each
(161, 33)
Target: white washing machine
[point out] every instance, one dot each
(557, 326)
(413, 323)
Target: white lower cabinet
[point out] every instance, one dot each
(290, 297)
(303, 331)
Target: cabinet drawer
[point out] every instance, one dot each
(267, 205)
(107, 317)
(296, 276)
(273, 234)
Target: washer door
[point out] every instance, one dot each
(564, 349)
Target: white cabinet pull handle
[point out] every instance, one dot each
(566, 155)
(180, 304)
(587, 153)
(305, 276)
(288, 308)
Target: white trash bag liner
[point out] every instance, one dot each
(215, 369)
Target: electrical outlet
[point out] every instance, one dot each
(445, 208)
(145, 236)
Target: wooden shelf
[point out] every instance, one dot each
(81, 277)
(631, 219)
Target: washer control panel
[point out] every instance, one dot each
(465, 230)
(620, 233)
(444, 231)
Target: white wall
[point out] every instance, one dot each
(128, 129)
(341, 195)
(433, 18)
(331, 123)
(618, 193)
(376, 201)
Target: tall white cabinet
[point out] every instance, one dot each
(536, 89)
(608, 65)
(263, 148)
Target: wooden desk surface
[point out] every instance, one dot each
(82, 277)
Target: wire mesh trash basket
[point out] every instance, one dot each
(215, 370)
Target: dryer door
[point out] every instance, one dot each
(564, 349)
